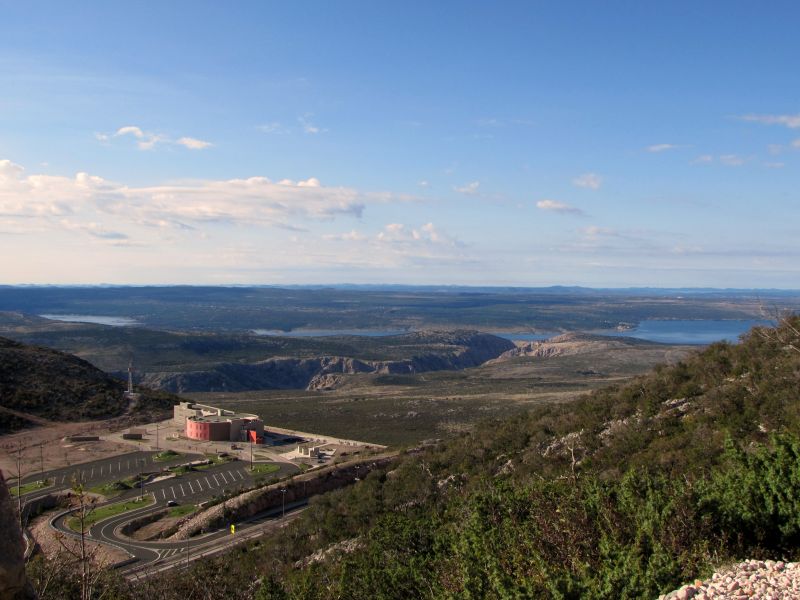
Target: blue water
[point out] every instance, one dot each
(677, 331)
(97, 319)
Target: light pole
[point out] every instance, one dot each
(141, 479)
(19, 483)
(283, 507)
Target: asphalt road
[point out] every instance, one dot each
(102, 471)
(191, 487)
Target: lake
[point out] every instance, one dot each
(97, 319)
(675, 331)
(698, 332)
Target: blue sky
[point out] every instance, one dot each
(485, 143)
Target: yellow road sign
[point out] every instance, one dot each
(233, 529)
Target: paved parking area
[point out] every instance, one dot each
(202, 483)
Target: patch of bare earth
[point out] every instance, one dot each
(44, 447)
(153, 530)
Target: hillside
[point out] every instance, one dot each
(38, 383)
(626, 493)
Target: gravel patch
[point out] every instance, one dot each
(766, 579)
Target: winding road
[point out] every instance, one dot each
(192, 487)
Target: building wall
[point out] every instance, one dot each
(214, 431)
(181, 411)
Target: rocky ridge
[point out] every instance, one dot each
(569, 344)
(448, 351)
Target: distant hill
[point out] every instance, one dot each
(418, 352)
(38, 383)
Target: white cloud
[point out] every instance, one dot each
(88, 204)
(790, 121)
(147, 140)
(594, 231)
(662, 147)
(423, 183)
(308, 126)
(729, 160)
(470, 189)
(350, 236)
(559, 207)
(427, 234)
(796, 143)
(732, 160)
(591, 181)
(774, 165)
(272, 127)
(193, 143)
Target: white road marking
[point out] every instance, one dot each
(198, 485)
(163, 494)
(62, 478)
(101, 471)
(92, 475)
(182, 492)
(128, 464)
(225, 479)
(208, 482)
(191, 487)
(173, 492)
(119, 466)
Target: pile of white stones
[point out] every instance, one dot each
(765, 579)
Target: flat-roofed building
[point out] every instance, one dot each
(209, 423)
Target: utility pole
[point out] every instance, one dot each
(283, 496)
(141, 478)
(19, 483)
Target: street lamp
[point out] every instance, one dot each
(141, 478)
(283, 497)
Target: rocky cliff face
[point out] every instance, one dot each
(570, 344)
(448, 351)
(13, 582)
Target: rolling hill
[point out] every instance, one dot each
(42, 384)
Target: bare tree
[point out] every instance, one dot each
(83, 556)
(785, 332)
